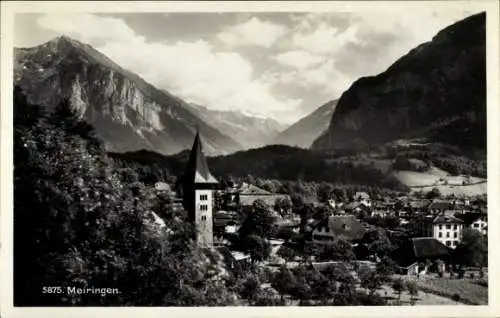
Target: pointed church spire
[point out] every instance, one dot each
(197, 168)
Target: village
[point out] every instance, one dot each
(419, 236)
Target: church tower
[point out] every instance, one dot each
(197, 193)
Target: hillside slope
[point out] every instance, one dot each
(306, 130)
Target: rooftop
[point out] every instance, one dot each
(446, 219)
(197, 168)
(342, 225)
(420, 249)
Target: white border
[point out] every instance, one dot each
(9, 8)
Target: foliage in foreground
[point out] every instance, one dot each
(78, 222)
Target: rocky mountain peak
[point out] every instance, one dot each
(436, 91)
(128, 113)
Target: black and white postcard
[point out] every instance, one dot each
(249, 159)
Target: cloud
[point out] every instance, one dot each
(323, 38)
(193, 70)
(89, 27)
(347, 46)
(298, 59)
(253, 32)
(306, 57)
(258, 93)
(323, 79)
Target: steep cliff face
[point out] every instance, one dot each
(306, 130)
(250, 131)
(128, 113)
(437, 91)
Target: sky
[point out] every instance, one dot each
(280, 65)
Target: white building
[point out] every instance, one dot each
(476, 221)
(480, 224)
(445, 228)
(363, 198)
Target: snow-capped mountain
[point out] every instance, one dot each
(249, 130)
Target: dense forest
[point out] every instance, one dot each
(281, 169)
(456, 161)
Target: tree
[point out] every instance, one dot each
(472, 249)
(268, 297)
(258, 248)
(325, 191)
(412, 289)
(377, 242)
(305, 214)
(370, 280)
(260, 221)
(340, 194)
(301, 291)
(402, 163)
(322, 289)
(392, 222)
(340, 250)
(286, 253)
(249, 288)
(297, 203)
(385, 269)
(322, 212)
(284, 281)
(80, 222)
(282, 205)
(433, 194)
(456, 298)
(263, 218)
(270, 186)
(398, 286)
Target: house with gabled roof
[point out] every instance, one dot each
(345, 227)
(247, 194)
(475, 221)
(444, 227)
(437, 207)
(363, 198)
(415, 252)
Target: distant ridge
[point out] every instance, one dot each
(251, 131)
(306, 130)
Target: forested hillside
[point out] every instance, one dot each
(275, 168)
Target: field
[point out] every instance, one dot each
(468, 190)
(470, 292)
(447, 184)
(423, 298)
(425, 181)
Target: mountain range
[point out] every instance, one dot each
(249, 131)
(127, 112)
(307, 129)
(435, 92)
